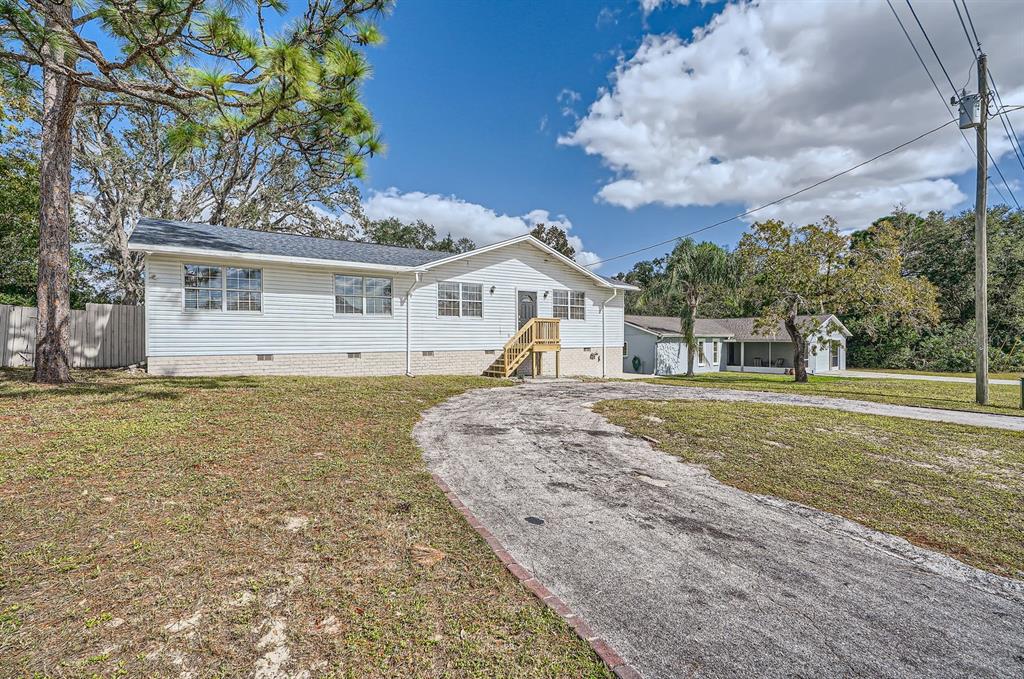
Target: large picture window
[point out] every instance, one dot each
(460, 299)
(362, 295)
(568, 304)
(217, 288)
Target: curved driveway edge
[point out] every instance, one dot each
(682, 575)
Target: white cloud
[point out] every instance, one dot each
(567, 96)
(607, 16)
(449, 214)
(768, 98)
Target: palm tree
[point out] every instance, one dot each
(691, 272)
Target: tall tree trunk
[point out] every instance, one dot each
(53, 289)
(689, 320)
(799, 349)
(129, 277)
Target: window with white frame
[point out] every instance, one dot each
(244, 289)
(701, 355)
(715, 353)
(833, 355)
(460, 299)
(368, 295)
(568, 304)
(216, 288)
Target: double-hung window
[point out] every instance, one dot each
(244, 289)
(362, 295)
(715, 353)
(568, 304)
(220, 288)
(833, 356)
(460, 299)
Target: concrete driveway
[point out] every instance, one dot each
(684, 576)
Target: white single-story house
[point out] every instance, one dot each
(655, 345)
(227, 301)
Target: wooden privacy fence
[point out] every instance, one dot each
(102, 336)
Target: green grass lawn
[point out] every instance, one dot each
(1004, 399)
(993, 376)
(955, 489)
(158, 527)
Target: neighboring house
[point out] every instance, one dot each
(655, 345)
(224, 301)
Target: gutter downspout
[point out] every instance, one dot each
(408, 323)
(604, 344)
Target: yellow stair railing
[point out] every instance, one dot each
(536, 335)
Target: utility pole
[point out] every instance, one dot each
(981, 240)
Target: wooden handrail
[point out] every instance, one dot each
(536, 332)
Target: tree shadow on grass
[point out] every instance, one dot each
(121, 386)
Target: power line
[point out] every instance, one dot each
(960, 16)
(778, 200)
(1007, 123)
(971, 21)
(950, 81)
(935, 53)
(942, 98)
(1011, 133)
(953, 87)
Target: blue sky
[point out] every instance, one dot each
(461, 90)
(473, 98)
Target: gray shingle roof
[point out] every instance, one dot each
(246, 241)
(671, 325)
(619, 282)
(743, 328)
(739, 329)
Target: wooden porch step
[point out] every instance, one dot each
(536, 335)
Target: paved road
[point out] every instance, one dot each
(685, 576)
(905, 376)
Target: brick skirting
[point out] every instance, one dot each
(574, 361)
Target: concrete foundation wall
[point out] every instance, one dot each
(574, 361)
(586, 361)
(334, 364)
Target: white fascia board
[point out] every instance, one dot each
(257, 257)
(643, 329)
(842, 328)
(727, 338)
(527, 238)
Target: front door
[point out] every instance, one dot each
(527, 306)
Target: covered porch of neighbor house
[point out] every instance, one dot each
(759, 357)
(777, 357)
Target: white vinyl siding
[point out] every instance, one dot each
(298, 309)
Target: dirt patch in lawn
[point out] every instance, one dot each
(955, 489)
(243, 526)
